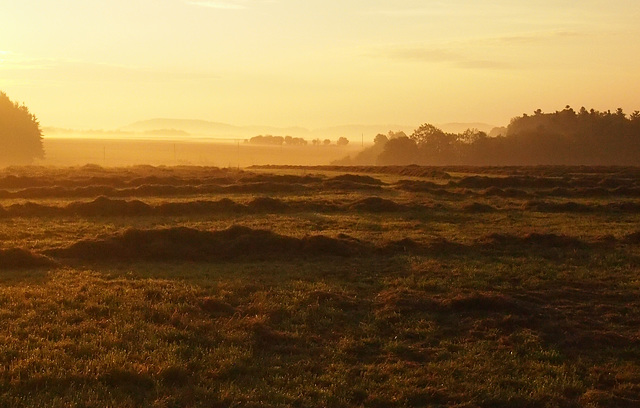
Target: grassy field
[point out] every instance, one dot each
(203, 151)
(319, 287)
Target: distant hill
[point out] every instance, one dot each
(190, 128)
(212, 129)
(355, 132)
(225, 130)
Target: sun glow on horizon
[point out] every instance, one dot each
(91, 64)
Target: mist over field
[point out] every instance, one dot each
(283, 203)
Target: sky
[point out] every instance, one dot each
(102, 64)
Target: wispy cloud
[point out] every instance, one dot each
(223, 5)
(437, 55)
(227, 4)
(533, 37)
(61, 71)
(476, 53)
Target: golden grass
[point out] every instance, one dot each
(449, 303)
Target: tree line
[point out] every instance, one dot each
(566, 137)
(293, 141)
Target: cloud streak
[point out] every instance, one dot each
(435, 55)
(219, 5)
(60, 71)
(482, 53)
(226, 4)
(531, 38)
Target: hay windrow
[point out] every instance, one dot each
(346, 185)
(267, 204)
(417, 185)
(103, 206)
(376, 204)
(114, 207)
(224, 205)
(17, 258)
(479, 208)
(542, 240)
(633, 238)
(187, 244)
(355, 178)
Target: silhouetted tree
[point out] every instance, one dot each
(498, 131)
(342, 141)
(436, 146)
(267, 140)
(20, 133)
(395, 135)
(401, 150)
(380, 139)
(326, 142)
(294, 141)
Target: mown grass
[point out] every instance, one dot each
(479, 309)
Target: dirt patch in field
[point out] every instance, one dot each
(17, 258)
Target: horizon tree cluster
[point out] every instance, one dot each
(20, 133)
(566, 137)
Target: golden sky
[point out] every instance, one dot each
(106, 63)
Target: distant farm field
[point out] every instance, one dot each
(191, 151)
(326, 286)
